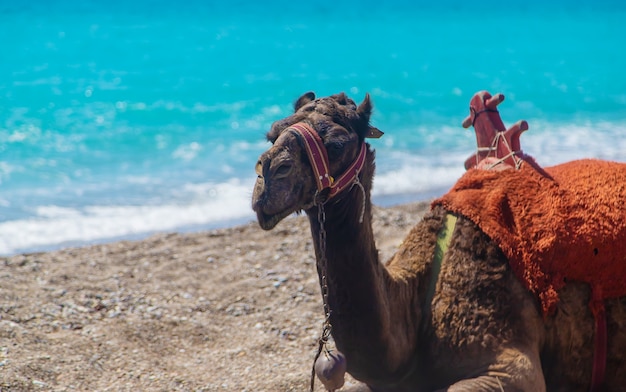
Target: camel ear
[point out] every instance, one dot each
(365, 109)
(303, 100)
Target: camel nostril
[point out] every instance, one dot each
(259, 169)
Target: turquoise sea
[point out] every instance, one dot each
(119, 119)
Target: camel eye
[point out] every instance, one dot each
(334, 149)
(282, 171)
(259, 169)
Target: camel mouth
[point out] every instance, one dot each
(269, 212)
(269, 221)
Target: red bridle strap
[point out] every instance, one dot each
(317, 155)
(351, 175)
(319, 160)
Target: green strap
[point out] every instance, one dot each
(441, 247)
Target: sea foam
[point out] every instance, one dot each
(53, 226)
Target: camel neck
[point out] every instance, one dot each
(347, 224)
(354, 276)
(360, 289)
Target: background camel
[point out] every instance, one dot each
(427, 319)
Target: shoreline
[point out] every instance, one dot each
(230, 309)
(382, 201)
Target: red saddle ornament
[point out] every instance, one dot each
(497, 147)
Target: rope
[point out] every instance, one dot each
(476, 114)
(494, 147)
(357, 182)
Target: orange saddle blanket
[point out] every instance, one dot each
(558, 224)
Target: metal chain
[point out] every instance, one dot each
(327, 327)
(321, 217)
(323, 264)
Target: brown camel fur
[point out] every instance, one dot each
(481, 330)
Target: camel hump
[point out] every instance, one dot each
(578, 243)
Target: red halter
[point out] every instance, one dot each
(319, 160)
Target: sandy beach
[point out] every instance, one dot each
(234, 309)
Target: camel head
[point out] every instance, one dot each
(286, 181)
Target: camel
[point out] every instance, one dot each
(429, 318)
